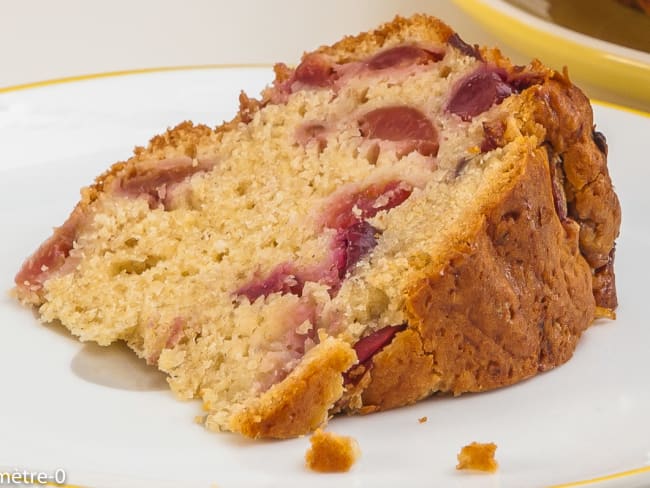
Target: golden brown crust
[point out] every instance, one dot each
(510, 303)
(301, 402)
(604, 285)
(398, 378)
(422, 27)
(566, 115)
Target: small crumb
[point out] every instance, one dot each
(331, 453)
(423, 419)
(479, 457)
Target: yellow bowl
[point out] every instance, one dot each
(603, 64)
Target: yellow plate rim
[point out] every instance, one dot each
(127, 72)
(201, 67)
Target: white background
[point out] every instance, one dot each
(43, 39)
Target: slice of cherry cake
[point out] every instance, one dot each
(401, 214)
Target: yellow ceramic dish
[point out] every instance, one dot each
(603, 64)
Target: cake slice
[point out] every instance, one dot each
(399, 215)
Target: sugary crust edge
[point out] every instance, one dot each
(301, 402)
(419, 26)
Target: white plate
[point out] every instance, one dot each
(586, 419)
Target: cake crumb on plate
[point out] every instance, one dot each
(478, 456)
(331, 453)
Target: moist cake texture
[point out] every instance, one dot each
(401, 214)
